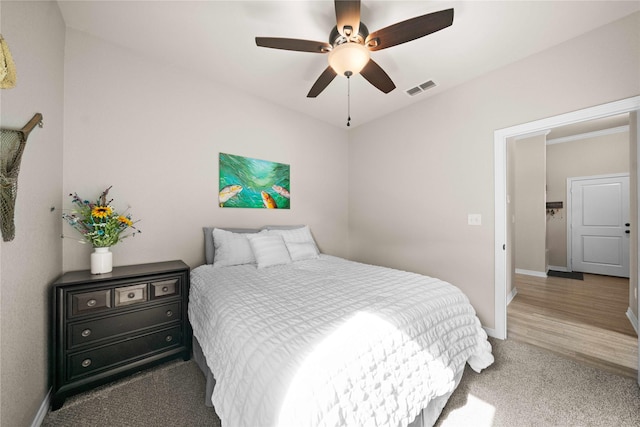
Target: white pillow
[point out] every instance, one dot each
(300, 251)
(296, 235)
(269, 250)
(231, 249)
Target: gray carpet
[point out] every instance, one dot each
(170, 395)
(526, 386)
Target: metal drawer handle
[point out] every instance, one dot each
(169, 313)
(91, 302)
(131, 295)
(86, 363)
(169, 338)
(86, 332)
(165, 288)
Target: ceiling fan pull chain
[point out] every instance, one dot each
(348, 74)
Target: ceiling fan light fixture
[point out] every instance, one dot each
(348, 57)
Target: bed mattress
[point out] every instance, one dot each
(330, 342)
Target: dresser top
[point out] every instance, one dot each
(123, 272)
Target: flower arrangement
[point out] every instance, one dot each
(98, 222)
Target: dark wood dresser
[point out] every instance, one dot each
(106, 326)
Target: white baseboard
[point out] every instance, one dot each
(511, 295)
(491, 332)
(531, 272)
(558, 268)
(42, 411)
(633, 319)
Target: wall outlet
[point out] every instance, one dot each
(474, 219)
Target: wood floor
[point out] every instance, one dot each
(582, 319)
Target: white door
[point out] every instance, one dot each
(600, 229)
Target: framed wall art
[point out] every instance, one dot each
(253, 183)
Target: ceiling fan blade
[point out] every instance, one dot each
(410, 29)
(323, 81)
(348, 17)
(293, 44)
(377, 77)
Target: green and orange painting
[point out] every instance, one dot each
(253, 183)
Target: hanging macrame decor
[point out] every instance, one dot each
(7, 66)
(12, 146)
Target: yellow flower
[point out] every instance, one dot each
(125, 220)
(101, 211)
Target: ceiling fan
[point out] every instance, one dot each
(350, 43)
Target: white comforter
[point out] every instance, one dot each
(330, 342)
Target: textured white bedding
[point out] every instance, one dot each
(330, 342)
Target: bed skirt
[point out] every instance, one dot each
(198, 357)
(426, 418)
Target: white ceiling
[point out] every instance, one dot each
(216, 39)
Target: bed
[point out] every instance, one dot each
(288, 336)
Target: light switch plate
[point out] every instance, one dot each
(474, 219)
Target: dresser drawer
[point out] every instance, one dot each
(84, 363)
(165, 288)
(89, 302)
(86, 332)
(128, 295)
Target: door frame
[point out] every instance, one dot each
(570, 219)
(500, 191)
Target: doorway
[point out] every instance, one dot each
(500, 160)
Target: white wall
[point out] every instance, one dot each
(530, 182)
(29, 263)
(416, 174)
(154, 133)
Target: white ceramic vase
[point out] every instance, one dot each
(101, 261)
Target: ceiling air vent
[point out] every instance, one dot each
(414, 91)
(420, 88)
